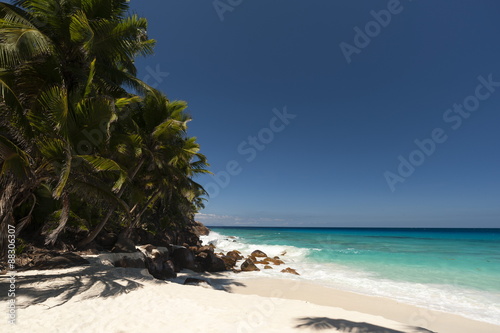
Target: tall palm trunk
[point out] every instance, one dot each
(52, 237)
(137, 219)
(101, 225)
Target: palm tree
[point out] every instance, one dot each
(57, 118)
(175, 159)
(161, 159)
(70, 128)
(59, 40)
(63, 64)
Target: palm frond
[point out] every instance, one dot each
(20, 39)
(13, 160)
(101, 164)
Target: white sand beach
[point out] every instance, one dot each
(102, 298)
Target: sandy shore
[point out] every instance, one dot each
(408, 315)
(100, 298)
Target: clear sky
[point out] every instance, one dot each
(309, 111)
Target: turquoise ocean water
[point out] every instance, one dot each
(452, 270)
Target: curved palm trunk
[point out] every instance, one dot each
(93, 234)
(52, 237)
(137, 219)
(97, 229)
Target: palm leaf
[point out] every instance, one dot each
(55, 102)
(20, 39)
(101, 164)
(13, 160)
(96, 192)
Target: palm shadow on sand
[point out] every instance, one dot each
(342, 325)
(88, 282)
(60, 288)
(217, 280)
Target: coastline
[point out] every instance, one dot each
(443, 292)
(100, 297)
(408, 315)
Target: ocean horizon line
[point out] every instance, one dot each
(357, 228)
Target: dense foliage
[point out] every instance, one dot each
(85, 144)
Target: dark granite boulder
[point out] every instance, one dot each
(275, 261)
(157, 262)
(229, 262)
(210, 262)
(258, 254)
(289, 270)
(248, 266)
(206, 248)
(199, 229)
(235, 254)
(262, 262)
(184, 258)
(127, 262)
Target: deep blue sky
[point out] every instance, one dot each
(327, 166)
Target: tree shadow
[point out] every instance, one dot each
(91, 281)
(96, 280)
(218, 281)
(342, 325)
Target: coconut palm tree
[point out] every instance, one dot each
(63, 66)
(72, 133)
(59, 40)
(56, 120)
(161, 160)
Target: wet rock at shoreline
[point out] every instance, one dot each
(258, 254)
(289, 270)
(235, 254)
(275, 261)
(199, 229)
(249, 266)
(229, 262)
(206, 248)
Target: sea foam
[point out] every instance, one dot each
(469, 303)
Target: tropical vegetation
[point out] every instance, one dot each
(84, 144)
